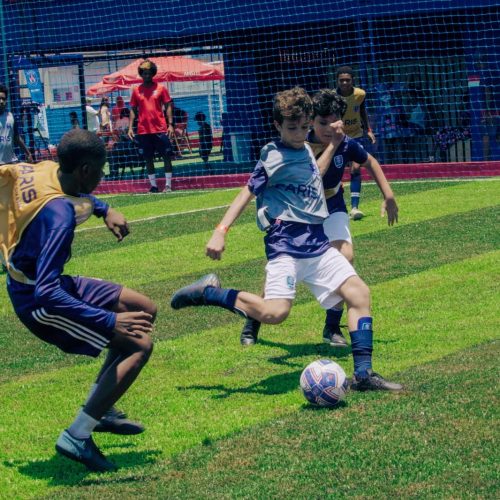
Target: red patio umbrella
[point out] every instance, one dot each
(170, 69)
(102, 88)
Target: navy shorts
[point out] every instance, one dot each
(149, 143)
(67, 334)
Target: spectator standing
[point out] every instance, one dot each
(104, 116)
(116, 111)
(92, 117)
(205, 136)
(73, 118)
(9, 135)
(357, 126)
(149, 101)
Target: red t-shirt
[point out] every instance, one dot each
(149, 102)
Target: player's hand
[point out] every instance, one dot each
(130, 134)
(372, 137)
(117, 224)
(338, 131)
(171, 131)
(134, 323)
(390, 206)
(216, 245)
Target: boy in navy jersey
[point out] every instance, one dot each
(79, 315)
(291, 208)
(334, 151)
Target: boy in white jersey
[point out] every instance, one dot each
(9, 136)
(291, 209)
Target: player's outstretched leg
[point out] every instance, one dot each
(332, 334)
(364, 378)
(250, 332)
(194, 294)
(357, 297)
(356, 213)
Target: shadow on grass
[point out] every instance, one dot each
(299, 350)
(58, 470)
(271, 386)
(276, 384)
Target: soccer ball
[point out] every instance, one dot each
(324, 383)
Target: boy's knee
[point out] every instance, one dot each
(356, 293)
(275, 315)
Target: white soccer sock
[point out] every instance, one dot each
(91, 392)
(83, 426)
(168, 179)
(152, 180)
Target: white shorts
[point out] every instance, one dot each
(323, 275)
(336, 227)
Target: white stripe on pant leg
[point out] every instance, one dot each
(73, 323)
(74, 326)
(71, 330)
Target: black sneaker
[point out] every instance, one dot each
(374, 382)
(333, 335)
(116, 422)
(153, 189)
(84, 451)
(250, 332)
(192, 295)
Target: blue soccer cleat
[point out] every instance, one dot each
(192, 295)
(84, 451)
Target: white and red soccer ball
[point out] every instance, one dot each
(324, 383)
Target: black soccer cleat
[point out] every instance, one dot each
(373, 382)
(333, 335)
(115, 421)
(192, 295)
(84, 451)
(250, 332)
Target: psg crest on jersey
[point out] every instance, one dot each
(338, 161)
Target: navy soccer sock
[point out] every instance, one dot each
(355, 188)
(222, 297)
(362, 346)
(333, 317)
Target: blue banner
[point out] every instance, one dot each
(34, 85)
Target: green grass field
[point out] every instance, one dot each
(227, 422)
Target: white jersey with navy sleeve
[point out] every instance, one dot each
(294, 190)
(289, 190)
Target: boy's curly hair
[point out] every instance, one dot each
(327, 102)
(291, 104)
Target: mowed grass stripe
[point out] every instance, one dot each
(414, 208)
(436, 441)
(181, 201)
(138, 207)
(381, 256)
(205, 386)
(244, 242)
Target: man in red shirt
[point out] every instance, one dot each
(151, 101)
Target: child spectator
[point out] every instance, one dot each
(205, 136)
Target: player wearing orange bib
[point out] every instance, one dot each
(356, 125)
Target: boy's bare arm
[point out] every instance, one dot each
(389, 205)
(215, 246)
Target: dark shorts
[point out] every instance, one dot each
(149, 143)
(67, 334)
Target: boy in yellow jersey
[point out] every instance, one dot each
(356, 126)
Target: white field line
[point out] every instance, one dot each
(154, 217)
(175, 214)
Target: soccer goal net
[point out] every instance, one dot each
(429, 72)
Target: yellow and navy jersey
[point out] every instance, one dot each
(352, 116)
